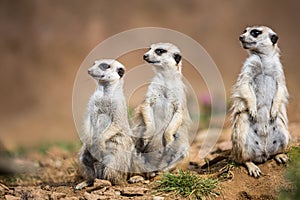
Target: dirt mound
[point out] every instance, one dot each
(53, 175)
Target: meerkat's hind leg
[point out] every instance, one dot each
(87, 167)
(281, 158)
(253, 169)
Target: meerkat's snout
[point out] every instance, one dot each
(89, 71)
(146, 57)
(242, 38)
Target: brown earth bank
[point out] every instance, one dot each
(53, 174)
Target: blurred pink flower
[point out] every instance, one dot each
(205, 99)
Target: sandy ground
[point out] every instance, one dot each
(54, 175)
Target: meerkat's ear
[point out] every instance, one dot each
(274, 38)
(121, 72)
(177, 57)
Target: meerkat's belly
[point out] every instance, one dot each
(264, 139)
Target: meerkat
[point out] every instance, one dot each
(107, 144)
(259, 119)
(162, 121)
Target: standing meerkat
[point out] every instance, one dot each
(259, 120)
(107, 143)
(162, 121)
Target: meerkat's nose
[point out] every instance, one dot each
(146, 57)
(242, 38)
(89, 71)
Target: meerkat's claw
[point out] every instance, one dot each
(281, 158)
(83, 184)
(253, 169)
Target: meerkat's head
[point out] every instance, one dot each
(259, 39)
(106, 70)
(164, 56)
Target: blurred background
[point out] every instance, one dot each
(43, 43)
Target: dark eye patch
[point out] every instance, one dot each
(255, 32)
(245, 31)
(160, 51)
(104, 66)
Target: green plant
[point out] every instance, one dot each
(292, 175)
(187, 185)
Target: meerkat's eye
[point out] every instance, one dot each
(245, 31)
(160, 51)
(104, 66)
(255, 32)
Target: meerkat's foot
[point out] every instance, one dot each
(136, 179)
(281, 158)
(84, 184)
(253, 169)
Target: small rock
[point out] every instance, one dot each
(98, 184)
(57, 195)
(70, 198)
(133, 191)
(3, 187)
(92, 196)
(158, 198)
(39, 194)
(58, 164)
(10, 197)
(46, 187)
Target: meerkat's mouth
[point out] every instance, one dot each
(152, 62)
(247, 44)
(97, 76)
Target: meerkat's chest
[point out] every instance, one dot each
(105, 106)
(102, 113)
(264, 84)
(163, 106)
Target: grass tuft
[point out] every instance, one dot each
(187, 184)
(292, 175)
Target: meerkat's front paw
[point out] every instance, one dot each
(253, 112)
(281, 158)
(253, 169)
(148, 134)
(168, 138)
(102, 144)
